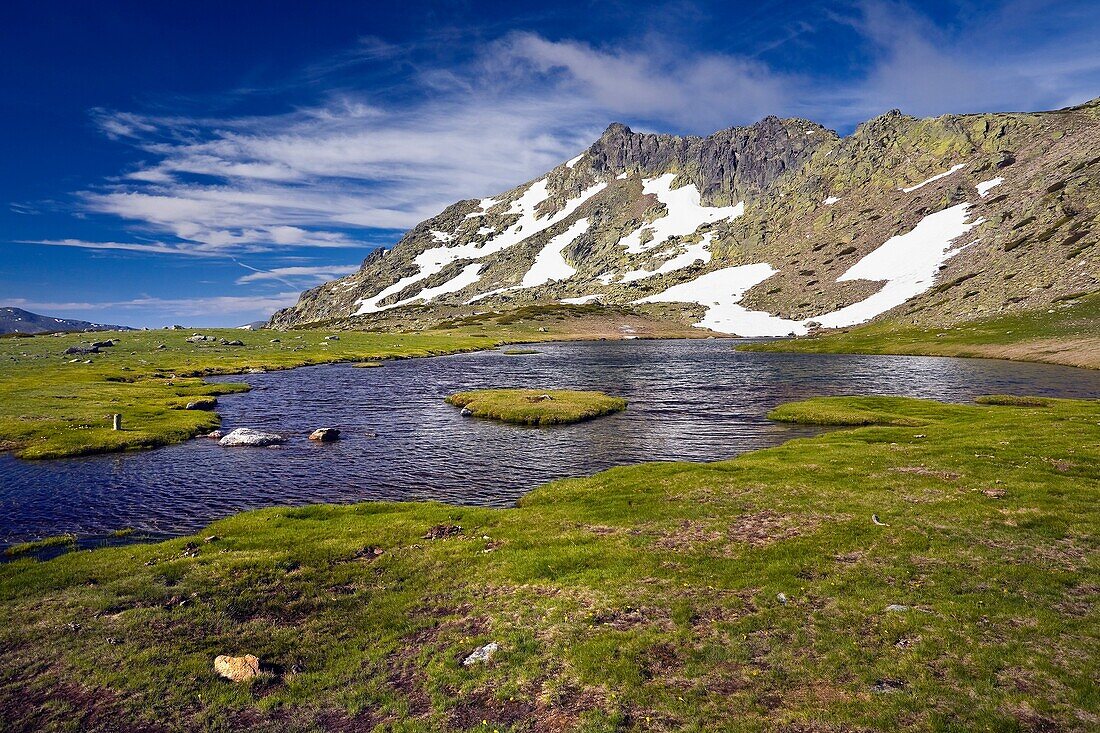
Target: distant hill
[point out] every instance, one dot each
(17, 320)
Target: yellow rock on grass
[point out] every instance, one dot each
(237, 669)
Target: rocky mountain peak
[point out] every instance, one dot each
(764, 229)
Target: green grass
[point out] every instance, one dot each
(537, 406)
(54, 405)
(519, 352)
(28, 548)
(643, 598)
(1068, 335)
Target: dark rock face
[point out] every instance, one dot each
(729, 165)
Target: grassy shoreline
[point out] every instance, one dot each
(56, 405)
(742, 595)
(1067, 334)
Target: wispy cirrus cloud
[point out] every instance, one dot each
(298, 274)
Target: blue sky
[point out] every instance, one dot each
(203, 162)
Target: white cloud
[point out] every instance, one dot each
(702, 92)
(148, 247)
(315, 275)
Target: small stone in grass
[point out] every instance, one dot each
(481, 654)
(441, 531)
(781, 597)
(237, 669)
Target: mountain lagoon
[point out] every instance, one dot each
(693, 400)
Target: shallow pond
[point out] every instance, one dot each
(689, 400)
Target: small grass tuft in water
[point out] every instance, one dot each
(27, 548)
(520, 352)
(537, 407)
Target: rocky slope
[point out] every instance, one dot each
(776, 228)
(17, 320)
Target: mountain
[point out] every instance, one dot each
(781, 227)
(17, 320)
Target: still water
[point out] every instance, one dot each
(689, 400)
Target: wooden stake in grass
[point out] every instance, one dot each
(116, 421)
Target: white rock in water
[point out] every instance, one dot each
(248, 436)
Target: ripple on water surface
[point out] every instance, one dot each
(689, 400)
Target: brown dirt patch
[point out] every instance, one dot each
(63, 704)
(621, 619)
(1078, 352)
(755, 529)
(521, 715)
(1061, 464)
(443, 531)
(925, 471)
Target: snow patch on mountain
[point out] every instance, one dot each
(908, 264)
(581, 299)
(692, 253)
(683, 214)
(936, 177)
(720, 292)
(549, 264)
(483, 206)
(985, 186)
(469, 275)
(432, 261)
